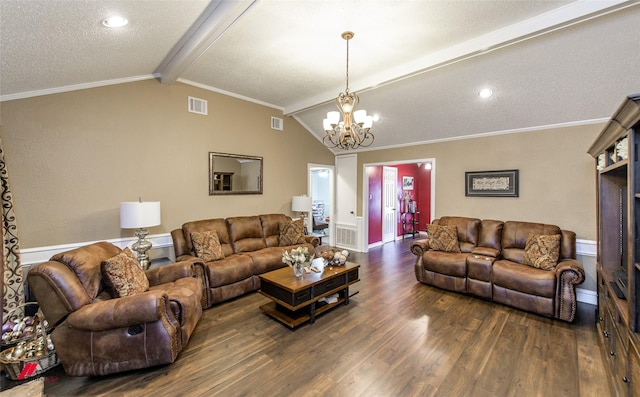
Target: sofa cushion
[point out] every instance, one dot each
(123, 275)
(86, 263)
(271, 226)
(229, 270)
(292, 233)
(515, 234)
(267, 259)
(443, 238)
(542, 251)
(218, 224)
(525, 279)
(467, 230)
(451, 264)
(245, 233)
(207, 245)
(490, 235)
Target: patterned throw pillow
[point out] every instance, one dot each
(542, 251)
(292, 233)
(443, 238)
(207, 245)
(123, 275)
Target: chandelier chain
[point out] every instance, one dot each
(347, 90)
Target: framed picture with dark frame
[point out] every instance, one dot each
(491, 183)
(407, 183)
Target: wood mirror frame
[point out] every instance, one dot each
(234, 174)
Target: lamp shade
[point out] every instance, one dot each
(301, 204)
(136, 214)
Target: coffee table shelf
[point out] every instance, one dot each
(295, 318)
(295, 299)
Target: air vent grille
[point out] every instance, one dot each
(197, 105)
(346, 237)
(276, 123)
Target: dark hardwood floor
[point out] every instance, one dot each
(397, 337)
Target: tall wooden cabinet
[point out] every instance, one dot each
(616, 151)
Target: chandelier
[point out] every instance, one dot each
(353, 130)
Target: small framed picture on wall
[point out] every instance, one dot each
(407, 183)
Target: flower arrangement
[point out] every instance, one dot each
(296, 258)
(298, 255)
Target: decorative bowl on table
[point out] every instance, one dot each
(333, 258)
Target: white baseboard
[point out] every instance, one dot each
(587, 296)
(162, 246)
(586, 247)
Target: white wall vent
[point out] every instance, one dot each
(346, 237)
(277, 123)
(197, 105)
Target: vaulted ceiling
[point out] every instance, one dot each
(417, 65)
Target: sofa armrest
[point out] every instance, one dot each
(197, 268)
(571, 264)
(569, 273)
(419, 247)
(121, 312)
(313, 240)
(187, 258)
(171, 272)
(201, 275)
(486, 251)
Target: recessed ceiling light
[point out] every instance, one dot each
(485, 93)
(115, 22)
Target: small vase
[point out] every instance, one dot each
(297, 269)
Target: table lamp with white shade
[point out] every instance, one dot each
(301, 204)
(140, 215)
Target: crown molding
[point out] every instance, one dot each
(76, 87)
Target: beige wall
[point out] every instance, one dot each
(557, 176)
(73, 157)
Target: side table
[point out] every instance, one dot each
(410, 222)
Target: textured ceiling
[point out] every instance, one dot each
(417, 64)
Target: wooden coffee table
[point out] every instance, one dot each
(295, 299)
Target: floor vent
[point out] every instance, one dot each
(346, 237)
(276, 123)
(197, 105)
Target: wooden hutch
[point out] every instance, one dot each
(618, 260)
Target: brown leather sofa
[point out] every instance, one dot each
(251, 246)
(490, 265)
(96, 334)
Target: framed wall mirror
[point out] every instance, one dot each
(234, 174)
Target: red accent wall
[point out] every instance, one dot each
(375, 204)
(410, 170)
(421, 194)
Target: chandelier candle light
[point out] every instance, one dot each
(353, 131)
(140, 215)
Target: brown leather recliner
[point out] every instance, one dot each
(96, 334)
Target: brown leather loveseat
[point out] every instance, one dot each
(529, 266)
(246, 246)
(103, 328)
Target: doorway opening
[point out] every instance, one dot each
(321, 182)
(399, 200)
